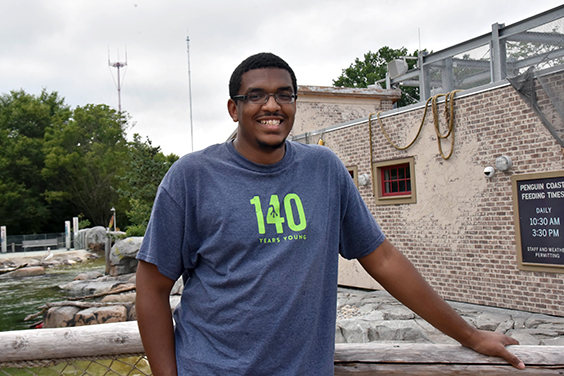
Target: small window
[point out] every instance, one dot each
(353, 171)
(395, 182)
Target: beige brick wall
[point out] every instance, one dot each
(460, 234)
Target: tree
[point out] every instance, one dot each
(24, 119)
(145, 170)
(84, 156)
(373, 68)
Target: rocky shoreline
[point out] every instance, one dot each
(362, 316)
(27, 264)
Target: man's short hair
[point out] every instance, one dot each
(259, 61)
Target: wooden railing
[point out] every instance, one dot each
(48, 347)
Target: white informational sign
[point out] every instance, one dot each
(3, 239)
(67, 234)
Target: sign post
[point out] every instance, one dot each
(67, 234)
(538, 201)
(3, 239)
(75, 231)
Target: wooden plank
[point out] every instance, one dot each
(91, 340)
(360, 369)
(441, 354)
(350, 359)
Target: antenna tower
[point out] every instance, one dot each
(118, 65)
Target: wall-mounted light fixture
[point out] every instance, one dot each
(503, 163)
(363, 180)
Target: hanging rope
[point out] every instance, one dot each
(449, 118)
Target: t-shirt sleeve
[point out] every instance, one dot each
(163, 244)
(360, 234)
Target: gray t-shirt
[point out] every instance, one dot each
(257, 246)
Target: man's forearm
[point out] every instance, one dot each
(154, 318)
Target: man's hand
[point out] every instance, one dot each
(493, 344)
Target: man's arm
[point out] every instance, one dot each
(397, 274)
(154, 317)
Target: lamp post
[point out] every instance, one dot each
(114, 213)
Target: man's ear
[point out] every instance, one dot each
(232, 108)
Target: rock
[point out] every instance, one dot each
(490, 321)
(60, 317)
(127, 297)
(396, 312)
(88, 276)
(96, 286)
(25, 272)
(505, 326)
(132, 314)
(397, 330)
(101, 315)
(95, 236)
(559, 341)
(122, 255)
(523, 337)
(125, 248)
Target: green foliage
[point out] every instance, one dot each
(56, 162)
(24, 119)
(83, 158)
(373, 68)
(145, 170)
(83, 222)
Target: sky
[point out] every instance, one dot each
(65, 45)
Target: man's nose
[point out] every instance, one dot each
(271, 103)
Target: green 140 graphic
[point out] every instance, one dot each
(274, 216)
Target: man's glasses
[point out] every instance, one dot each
(262, 98)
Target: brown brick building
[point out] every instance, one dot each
(457, 226)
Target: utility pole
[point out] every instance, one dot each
(118, 65)
(190, 93)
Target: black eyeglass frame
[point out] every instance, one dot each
(267, 98)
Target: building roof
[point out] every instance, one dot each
(373, 91)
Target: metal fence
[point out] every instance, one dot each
(15, 242)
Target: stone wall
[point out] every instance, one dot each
(460, 234)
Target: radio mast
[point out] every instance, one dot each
(118, 65)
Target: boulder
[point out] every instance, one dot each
(88, 276)
(127, 297)
(101, 315)
(95, 236)
(96, 286)
(122, 255)
(25, 272)
(60, 317)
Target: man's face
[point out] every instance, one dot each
(263, 128)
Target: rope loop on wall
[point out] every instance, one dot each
(449, 119)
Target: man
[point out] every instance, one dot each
(254, 227)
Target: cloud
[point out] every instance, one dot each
(63, 45)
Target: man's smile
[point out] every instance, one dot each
(270, 122)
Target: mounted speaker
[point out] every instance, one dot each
(397, 67)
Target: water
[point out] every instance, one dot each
(23, 296)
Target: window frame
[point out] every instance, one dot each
(353, 171)
(382, 198)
